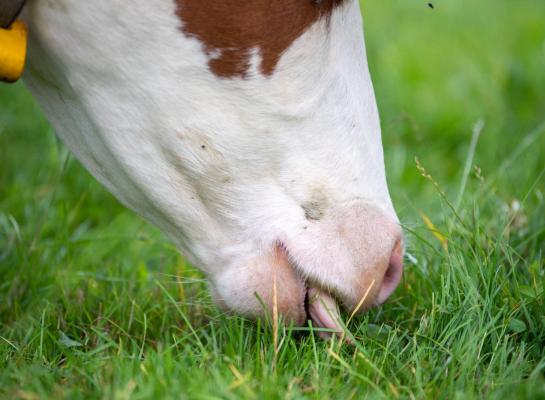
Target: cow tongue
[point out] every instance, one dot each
(324, 312)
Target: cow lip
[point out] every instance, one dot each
(323, 310)
(320, 304)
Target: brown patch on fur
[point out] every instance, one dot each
(232, 28)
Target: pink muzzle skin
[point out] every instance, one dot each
(324, 311)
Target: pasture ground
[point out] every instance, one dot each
(95, 303)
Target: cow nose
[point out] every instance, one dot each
(393, 273)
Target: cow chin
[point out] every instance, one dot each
(262, 285)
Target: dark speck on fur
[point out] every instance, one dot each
(313, 210)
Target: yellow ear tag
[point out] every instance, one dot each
(12, 51)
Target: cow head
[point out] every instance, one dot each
(305, 195)
(247, 131)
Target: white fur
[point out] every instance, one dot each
(135, 101)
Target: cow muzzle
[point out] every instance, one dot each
(351, 259)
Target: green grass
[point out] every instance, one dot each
(95, 303)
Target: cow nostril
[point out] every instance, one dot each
(393, 273)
